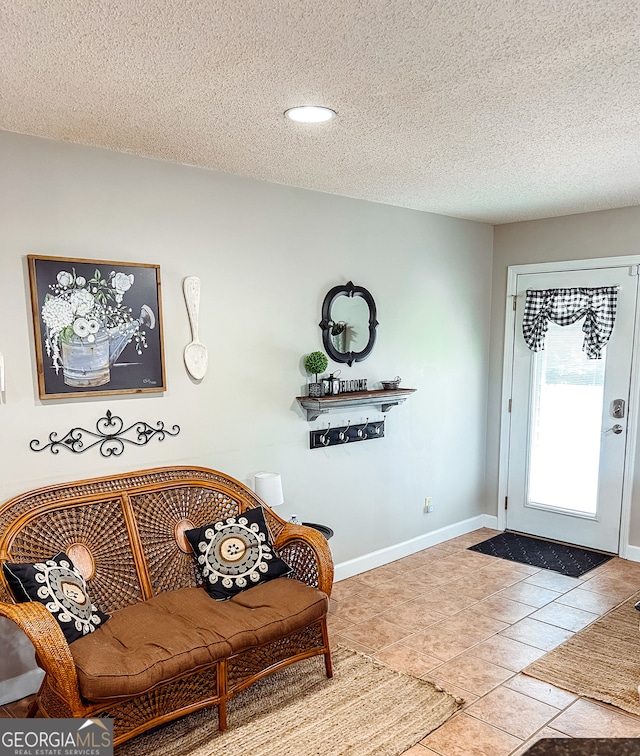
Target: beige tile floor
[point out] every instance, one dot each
(471, 623)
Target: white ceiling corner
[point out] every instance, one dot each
(496, 111)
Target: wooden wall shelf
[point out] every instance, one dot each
(384, 398)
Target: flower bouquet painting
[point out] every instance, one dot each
(98, 326)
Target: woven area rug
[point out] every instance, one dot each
(601, 662)
(367, 708)
(572, 561)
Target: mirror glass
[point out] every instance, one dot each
(350, 332)
(348, 323)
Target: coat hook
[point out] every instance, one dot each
(324, 438)
(344, 434)
(362, 431)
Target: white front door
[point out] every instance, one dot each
(569, 420)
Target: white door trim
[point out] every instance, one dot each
(513, 271)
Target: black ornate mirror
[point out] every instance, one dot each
(348, 323)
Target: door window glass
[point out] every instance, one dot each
(566, 423)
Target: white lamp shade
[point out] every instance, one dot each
(268, 486)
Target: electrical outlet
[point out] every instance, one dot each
(428, 506)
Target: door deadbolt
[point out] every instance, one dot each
(617, 408)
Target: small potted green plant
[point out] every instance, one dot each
(315, 363)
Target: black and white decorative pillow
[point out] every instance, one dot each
(236, 554)
(58, 585)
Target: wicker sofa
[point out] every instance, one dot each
(168, 648)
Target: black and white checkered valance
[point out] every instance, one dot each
(565, 306)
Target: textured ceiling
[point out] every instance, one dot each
(495, 110)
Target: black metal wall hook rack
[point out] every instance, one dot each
(346, 434)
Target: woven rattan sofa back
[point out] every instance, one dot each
(124, 533)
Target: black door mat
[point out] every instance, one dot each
(567, 560)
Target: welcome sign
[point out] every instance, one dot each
(56, 737)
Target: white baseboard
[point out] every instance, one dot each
(632, 553)
(366, 562)
(21, 686)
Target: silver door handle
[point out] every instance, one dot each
(617, 429)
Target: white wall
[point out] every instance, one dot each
(266, 255)
(609, 233)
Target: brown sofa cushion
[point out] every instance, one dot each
(179, 631)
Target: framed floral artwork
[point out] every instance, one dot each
(97, 327)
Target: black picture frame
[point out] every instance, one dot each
(97, 327)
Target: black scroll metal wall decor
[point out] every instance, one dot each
(110, 436)
(346, 434)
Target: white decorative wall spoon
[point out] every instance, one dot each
(196, 357)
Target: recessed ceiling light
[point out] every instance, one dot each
(310, 114)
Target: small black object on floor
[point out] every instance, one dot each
(567, 560)
(584, 747)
